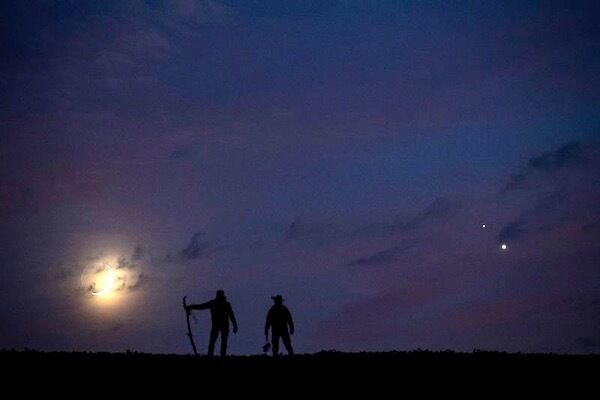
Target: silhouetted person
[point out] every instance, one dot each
(279, 319)
(220, 313)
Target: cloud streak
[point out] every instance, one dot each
(570, 154)
(197, 248)
(438, 210)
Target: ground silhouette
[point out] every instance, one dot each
(480, 373)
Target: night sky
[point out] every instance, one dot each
(343, 154)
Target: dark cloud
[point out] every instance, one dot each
(438, 209)
(386, 256)
(138, 253)
(197, 248)
(132, 262)
(562, 204)
(567, 155)
(548, 209)
(381, 257)
(123, 263)
(513, 230)
(140, 280)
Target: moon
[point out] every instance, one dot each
(108, 283)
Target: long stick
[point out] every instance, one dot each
(189, 332)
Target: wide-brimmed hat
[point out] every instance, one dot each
(277, 297)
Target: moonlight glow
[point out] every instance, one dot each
(503, 246)
(109, 281)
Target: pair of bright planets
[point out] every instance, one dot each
(503, 246)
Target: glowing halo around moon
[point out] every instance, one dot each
(109, 282)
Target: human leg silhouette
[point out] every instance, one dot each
(224, 337)
(214, 333)
(275, 343)
(287, 342)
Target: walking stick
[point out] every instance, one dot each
(189, 332)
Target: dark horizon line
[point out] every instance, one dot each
(129, 352)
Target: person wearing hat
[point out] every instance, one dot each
(220, 313)
(279, 319)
